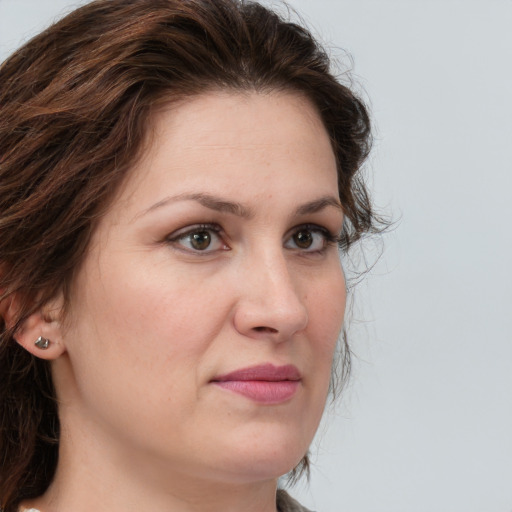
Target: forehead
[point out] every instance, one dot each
(233, 143)
(227, 117)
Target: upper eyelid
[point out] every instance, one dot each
(313, 227)
(182, 232)
(216, 228)
(220, 232)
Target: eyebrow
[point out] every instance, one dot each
(319, 204)
(220, 204)
(208, 201)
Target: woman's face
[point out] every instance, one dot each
(203, 321)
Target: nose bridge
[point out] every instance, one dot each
(275, 274)
(271, 299)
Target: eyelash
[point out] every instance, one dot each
(329, 238)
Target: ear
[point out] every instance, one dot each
(45, 323)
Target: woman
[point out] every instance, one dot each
(177, 177)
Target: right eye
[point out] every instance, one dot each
(203, 238)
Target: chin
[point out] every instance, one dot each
(262, 470)
(264, 459)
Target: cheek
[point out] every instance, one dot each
(329, 323)
(326, 305)
(152, 300)
(142, 336)
(145, 322)
(326, 308)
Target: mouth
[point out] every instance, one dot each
(265, 384)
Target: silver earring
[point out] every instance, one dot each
(42, 343)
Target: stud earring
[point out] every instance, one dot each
(42, 343)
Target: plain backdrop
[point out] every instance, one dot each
(426, 422)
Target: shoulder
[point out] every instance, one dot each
(285, 503)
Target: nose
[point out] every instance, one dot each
(269, 304)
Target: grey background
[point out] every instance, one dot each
(426, 422)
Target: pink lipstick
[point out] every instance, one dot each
(266, 384)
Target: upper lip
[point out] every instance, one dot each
(263, 372)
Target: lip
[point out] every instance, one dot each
(265, 384)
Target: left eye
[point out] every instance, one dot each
(308, 238)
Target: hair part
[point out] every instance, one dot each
(75, 106)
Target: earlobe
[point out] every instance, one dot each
(39, 334)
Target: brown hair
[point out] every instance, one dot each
(75, 103)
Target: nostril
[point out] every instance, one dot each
(265, 329)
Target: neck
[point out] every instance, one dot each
(84, 498)
(104, 480)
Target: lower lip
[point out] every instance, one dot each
(264, 392)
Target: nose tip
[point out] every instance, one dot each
(270, 306)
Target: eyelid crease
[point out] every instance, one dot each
(176, 235)
(318, 228)
(193, 228)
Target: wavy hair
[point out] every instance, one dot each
(75, 104)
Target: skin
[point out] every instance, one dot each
(152, 319)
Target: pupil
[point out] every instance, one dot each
(200, 240)
(303, 239)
